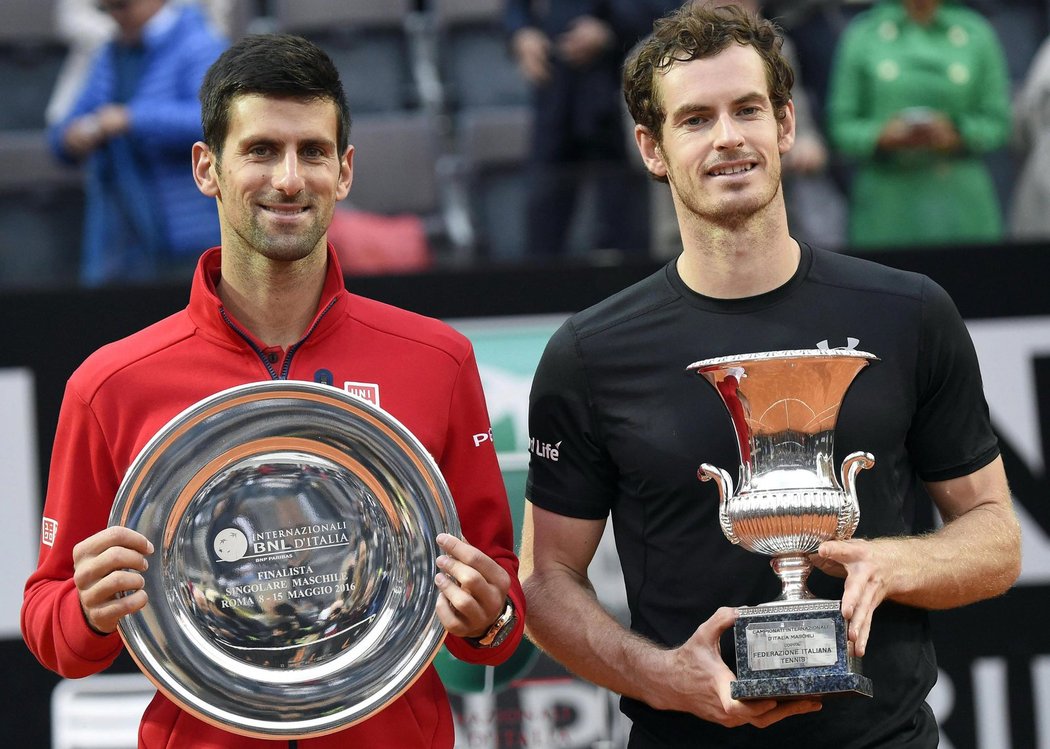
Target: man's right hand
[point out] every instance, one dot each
(698, 682)
(585, 40)
(104, 571)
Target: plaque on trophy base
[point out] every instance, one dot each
(787, 501)
(794, 649)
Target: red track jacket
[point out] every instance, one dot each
(426, 377)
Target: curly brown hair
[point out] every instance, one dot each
(697, 30)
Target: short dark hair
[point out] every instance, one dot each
(279, 65)
(696, 31)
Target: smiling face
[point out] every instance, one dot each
(278, 177)
(720, 142)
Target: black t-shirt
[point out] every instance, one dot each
(631, 426)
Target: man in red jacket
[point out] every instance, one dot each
(270, 304)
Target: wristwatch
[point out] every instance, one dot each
(499, 630)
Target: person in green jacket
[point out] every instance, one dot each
(919, 93)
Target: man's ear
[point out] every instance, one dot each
(786, 129)
(205, 167)
(650, 151)
(346, 173)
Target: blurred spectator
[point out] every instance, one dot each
(815, 205)
(84, 27)
(133, 124)
(919, 93)
(571, 52)
(1030, 209)
(815, 27)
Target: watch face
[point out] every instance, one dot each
(291, 592)
(504, 631)
(502, 627)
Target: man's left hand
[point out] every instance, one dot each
(114, 119)
(473, 588)
(866, 565)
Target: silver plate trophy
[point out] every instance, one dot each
(291, 589)
(788, 500)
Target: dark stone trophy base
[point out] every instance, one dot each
(794, 649)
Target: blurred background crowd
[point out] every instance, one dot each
(494, 132)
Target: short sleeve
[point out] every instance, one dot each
(570, 472)
(951, 434)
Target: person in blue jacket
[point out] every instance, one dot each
(132, 127)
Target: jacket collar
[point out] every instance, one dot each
(206, 309)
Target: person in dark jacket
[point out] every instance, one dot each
(571, 52)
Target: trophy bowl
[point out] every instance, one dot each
(291, 589)
(787, 501)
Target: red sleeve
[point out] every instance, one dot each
(80, 491)
(472, 471)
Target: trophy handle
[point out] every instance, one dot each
(849, 516)
(724, 481)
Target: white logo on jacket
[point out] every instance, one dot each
(48, 531)
(366, 391)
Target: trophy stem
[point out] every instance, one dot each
(793, 570)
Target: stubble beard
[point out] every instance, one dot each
(284, 247)
(730, 212)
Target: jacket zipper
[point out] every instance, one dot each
(274, 374)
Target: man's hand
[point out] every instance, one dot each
(807, 156)
(83, 136)
(104, 571)
(473, 588)
(87, 133)
(114, 119)
(586, 38)
(867, 566)
(698, 682)
(532, 49)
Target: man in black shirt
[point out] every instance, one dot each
(710, 95)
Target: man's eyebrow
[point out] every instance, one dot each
(748, 98)
(324, 142)
(250, 141)
(689, 108)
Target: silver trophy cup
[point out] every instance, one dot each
(788, 500)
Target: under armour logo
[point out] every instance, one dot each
(851, 345)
